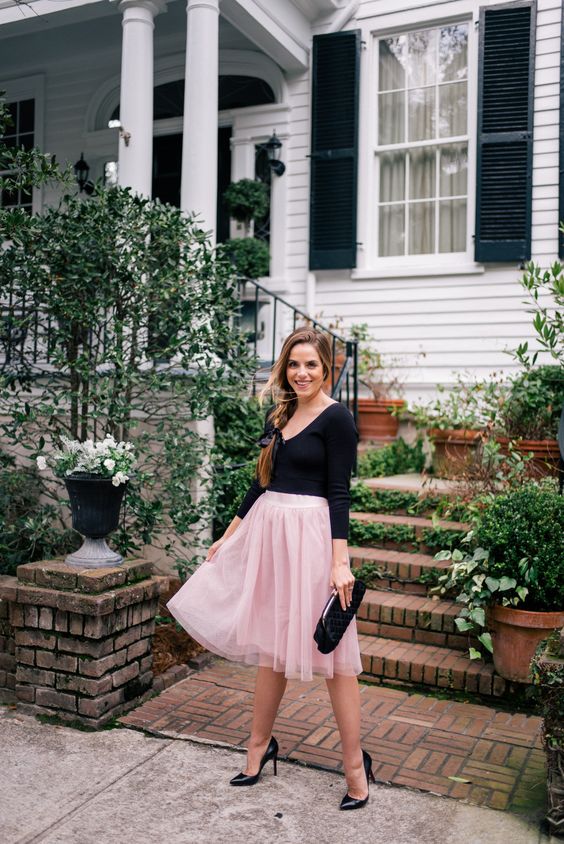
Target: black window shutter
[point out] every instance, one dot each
(505, 132)
(334, 150)
(561, 187)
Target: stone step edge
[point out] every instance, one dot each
(428, 665)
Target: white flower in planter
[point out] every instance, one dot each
(109, 464)
(119, 478)
(41, 463)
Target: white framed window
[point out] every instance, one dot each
(24, 98)
(422, 143)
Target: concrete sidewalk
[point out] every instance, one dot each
(64, 786)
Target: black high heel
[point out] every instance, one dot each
(349, 802)
(271, 752)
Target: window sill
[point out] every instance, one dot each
(407, 271)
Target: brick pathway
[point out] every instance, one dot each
(415, 741)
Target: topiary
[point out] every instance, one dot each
(247, 199)
(250, 257)
(527, 523)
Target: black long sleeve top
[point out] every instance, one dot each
(317, 461)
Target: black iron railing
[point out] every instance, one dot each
(285, 317)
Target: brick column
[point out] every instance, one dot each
(7, 644)
(83, 638)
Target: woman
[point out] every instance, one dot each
(259, 593)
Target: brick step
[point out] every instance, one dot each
(412, 663)
(410, 618)
(420, 523)
(404, 533)
(414, 482)
(403, 568)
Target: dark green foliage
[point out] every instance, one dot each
(435, 538)
(247, 199)
(397, 458)
(366, 500)
(249, 256)
(372, 574)
(527, 523)
(374, 533)
(29, 530)
(534, 403)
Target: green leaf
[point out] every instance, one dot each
(486, 640)
(507, 583)
(478, 616)
(474, 654)
(492, 584)
(522, 591)
(463, 625)
(459, 779)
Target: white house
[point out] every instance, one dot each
(422, 142)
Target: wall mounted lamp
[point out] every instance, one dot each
(81, 172)
(273, 147)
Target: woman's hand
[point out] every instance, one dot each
(213, 548)
(342, 581)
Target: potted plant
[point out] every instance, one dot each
(378, 416)
(511, 583)
(529, 416)
(247, 200)
(96, 475)
(457, 423)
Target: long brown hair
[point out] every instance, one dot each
(283, 396)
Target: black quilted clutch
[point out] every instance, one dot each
(334, 620)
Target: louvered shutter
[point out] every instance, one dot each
(561, 187)
(334, 150)
(505, 132)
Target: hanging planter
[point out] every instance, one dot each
(95, 506)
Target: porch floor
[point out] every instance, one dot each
(471, 752)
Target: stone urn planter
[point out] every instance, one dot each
(95, 505)
(455, 451)
(516, 635)
(375, 419)
(546, 454)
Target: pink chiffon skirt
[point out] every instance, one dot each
(259, 598)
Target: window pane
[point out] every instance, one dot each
(25, 141)
(421, 108)
(392, 176)
(27, 115)
(452, 109)
(9, 197)
(421, 228)
(13, 112)
(391, 113)
(391, 72)
(453, 53)
(454, 170)
(422, 173)
(392, 230)
(452, 225)
(421, 58)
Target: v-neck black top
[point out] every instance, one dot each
(317, 461)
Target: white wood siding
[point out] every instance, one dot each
(440, 325)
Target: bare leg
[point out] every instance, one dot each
(345, 699)
(269, 689)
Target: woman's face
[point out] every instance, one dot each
(305, 370)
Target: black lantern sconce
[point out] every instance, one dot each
(273, 147)
(81, 172)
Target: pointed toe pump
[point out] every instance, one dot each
(271, 752)
(349, 802)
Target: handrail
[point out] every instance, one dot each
(349, 369)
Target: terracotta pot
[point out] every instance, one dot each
(545, 454)
(375, 421)
(516, 635)
(455, 451)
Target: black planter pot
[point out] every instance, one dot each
(95, 505)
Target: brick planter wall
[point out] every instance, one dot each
(7, 652)
(83, 638)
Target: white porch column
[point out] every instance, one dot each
(198, 192)
(136, 94)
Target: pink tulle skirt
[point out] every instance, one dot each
(259, 598)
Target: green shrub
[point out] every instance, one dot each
(247, 199)
(527, 523)
(366, 500)
(29, 531)
(249, 256)
(533, 404)
(397, 458)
